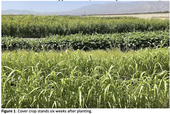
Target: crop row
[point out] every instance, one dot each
(42, 26)
(123, 41)
(78, 79)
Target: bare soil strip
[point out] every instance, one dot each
(146, 16)
(34, 38)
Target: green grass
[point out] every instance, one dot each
(79, 79)
(32, 26)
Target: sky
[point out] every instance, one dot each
(52, 6)
(47, 6)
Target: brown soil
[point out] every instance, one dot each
(154, 15)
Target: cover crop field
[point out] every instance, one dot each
(84, 62)
(29, 26)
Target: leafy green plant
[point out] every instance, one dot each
(123, 41)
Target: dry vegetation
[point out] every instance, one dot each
(146, 16)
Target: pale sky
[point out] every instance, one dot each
(53, 6)
(47, 6)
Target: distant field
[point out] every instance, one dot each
(146, 16)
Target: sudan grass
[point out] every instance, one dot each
(79, 79)
(29, 26)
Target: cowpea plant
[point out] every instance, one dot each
(123, 41)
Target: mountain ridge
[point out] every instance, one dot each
(107, 8)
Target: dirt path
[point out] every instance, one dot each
(34, 38)
(146, 16)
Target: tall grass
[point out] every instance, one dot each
(78, 79)
(42, 26)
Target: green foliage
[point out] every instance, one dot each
(124, 41)
(33, 78)
(31, 26)
(78, 79)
